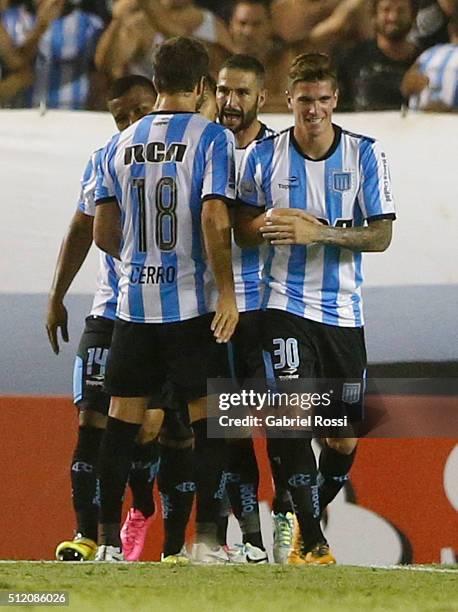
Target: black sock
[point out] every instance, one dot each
(281, 503)
(177, 486)
(143, 471)
(223, 519)
(210, 458)
(242, 481)
(333, 473)
(84, 480)
(299, 468)
(116, 453)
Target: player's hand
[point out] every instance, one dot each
(225, 319)
(288, 226)
(57, 317)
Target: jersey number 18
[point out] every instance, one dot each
(166, 219)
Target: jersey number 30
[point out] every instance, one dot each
(166, 219)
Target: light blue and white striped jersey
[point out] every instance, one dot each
(247, 263)
(106, 295)
(160, 170)
(440, 65)
(64, 59)
(351, 185)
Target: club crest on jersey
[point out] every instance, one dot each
(341, 181)
(351, 393)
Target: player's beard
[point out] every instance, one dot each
(245, 118)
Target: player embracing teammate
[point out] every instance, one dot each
(163, 194)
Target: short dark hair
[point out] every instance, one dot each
(247, 63)
(179, 64)
(121, 86)
(311, 67)
(265, 3)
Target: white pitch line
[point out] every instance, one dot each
(416, 568)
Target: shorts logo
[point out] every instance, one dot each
(300, 480)
(186, 487)
(351, 393)
(341, 181)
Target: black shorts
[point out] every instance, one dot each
(90, 363)
(332, 358)
(244, 349)
(144, 357)
(294, 346)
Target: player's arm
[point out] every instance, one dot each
(73, 252)
(216, 229)
(218, 188)
(290, 229)
(250, 224)
(248, 221)
(250, 210)
(107, 227)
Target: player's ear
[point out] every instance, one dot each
(336, 98)
(262, 98)
(288, 100)
(200, 87)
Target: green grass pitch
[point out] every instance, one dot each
(154, 587)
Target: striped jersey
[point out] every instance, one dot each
(106, 295)
(64, 58)
(160, 170)
(247, 263)
(350, 186)
(440, 65)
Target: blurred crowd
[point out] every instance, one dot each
(388, 53)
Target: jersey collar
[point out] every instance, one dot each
(329, 152)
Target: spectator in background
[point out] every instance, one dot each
(432, 83)
(370, 74)
(323, 23)
(430, 27)
(138, 26)
(59, 40)
(252, 34)
(15, 74)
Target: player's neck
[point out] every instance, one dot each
(314, 146)
(246, 137)
(179, 102)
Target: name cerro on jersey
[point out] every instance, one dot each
(143, 275)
